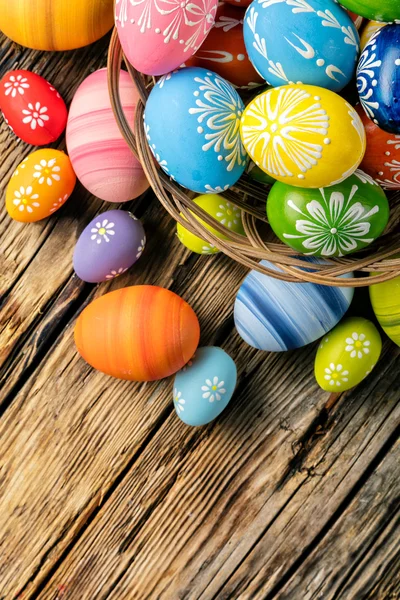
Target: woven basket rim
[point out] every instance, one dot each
(380, 265)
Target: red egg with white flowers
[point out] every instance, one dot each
(223, 51)
(382, 156)
(32, 107)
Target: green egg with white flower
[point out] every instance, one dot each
(221, 210)
(332, 221)
(347, 354)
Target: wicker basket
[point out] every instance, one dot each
(250, 198)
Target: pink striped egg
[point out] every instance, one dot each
(102, 160)
(157, 37)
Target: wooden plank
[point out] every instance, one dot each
(20, 242)
(71, 431)
(205, 514)
(36, 284)
(360, 556)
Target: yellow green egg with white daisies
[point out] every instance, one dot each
(347, 354)
(221, 210)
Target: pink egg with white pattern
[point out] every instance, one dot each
(157, 36)
(102, 160)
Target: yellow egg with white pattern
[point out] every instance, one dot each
(303, 135)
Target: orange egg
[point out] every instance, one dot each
(224, 52)
(140, 333)
(40, 185)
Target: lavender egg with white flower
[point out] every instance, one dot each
(204, 387)
(111, 243)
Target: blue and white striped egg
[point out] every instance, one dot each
(192, 126)
(276, 315)
(378, 78)
(204, 387)
(311, 42)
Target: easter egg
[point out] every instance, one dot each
(314, 43)
(382, 156)
(255, 173)
(357, 20)
(379, 10)
(204, 387)
(157, 38)
(140, 333)
(102, 160)
(303, 135)
(34, 110)
(40, 185)
(192, 126)
(221, 210)
(385, 300)
(347, 354)
(332, 221)
(108, 246)
(55, 25)
(378, 78)
(368, 31)
(224, 52)
(276, 315)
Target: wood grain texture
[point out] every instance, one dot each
(105, 493)
(360, 556)
(216, 522)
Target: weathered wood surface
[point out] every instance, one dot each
(104, 493)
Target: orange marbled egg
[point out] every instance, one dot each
(382, 156)
(223, 51)
(140, 333)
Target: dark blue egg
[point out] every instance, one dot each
(378, 78)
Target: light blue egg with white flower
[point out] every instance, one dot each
(276, 315)
(301, 41)
(192, 123)
(204, 387)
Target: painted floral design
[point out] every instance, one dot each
(213, 389)
(25, 199)
(209, 249)
(273, 136)
(102, 231)
(218, 110)
(179, 401)
(60, 202)
(199, 15)
(335, 375)
(116, 273)
(228, 215)
(47, 171)
(16, 84)
(215, 190)
(35, 115)
(332, 227)
(141, 248)
(302, 46)
(364, 177)
(357, 345)
(366, 80)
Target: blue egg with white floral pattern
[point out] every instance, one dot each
(107, 247)
(275, 315)
(378, 78)
(204, 387)
(301, 41)
(192, 123)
